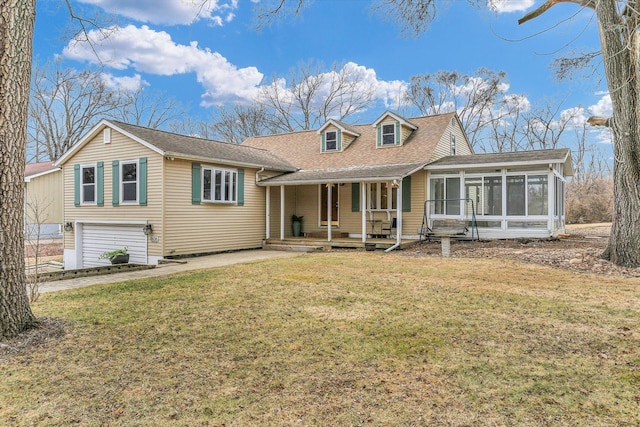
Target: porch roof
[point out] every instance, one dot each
(513, 159)
(344, 175)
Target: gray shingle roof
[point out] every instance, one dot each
(303, 148)
(562, 155)
(197, 148)
(348, 174)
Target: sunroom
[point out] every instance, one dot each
(500, 195)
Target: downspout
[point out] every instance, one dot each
(258, 173)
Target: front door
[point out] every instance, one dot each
(334, 204)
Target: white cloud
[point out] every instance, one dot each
(361, 86)
(126, 83)
(170, 12)
(603, 108)
(153, 52)
(506, 6)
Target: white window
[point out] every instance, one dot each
(88, 186)
(380, 194)
(106, 135)
(129, 182)
(453, 145)
(331, 141)
(388, 134)
(219, 185)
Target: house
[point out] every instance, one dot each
(43, 201)
(160, 195)
(164, 195)
(399, 176)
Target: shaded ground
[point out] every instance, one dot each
(578, 250)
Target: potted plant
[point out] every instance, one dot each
(296, 225)
(116, 256)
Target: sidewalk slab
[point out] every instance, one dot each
(195, 263)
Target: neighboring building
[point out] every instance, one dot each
(160, 194)
(392, 178)
(43, 201)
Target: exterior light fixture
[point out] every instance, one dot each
(68, 226)
(147, 229)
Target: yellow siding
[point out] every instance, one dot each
(290, 207)
(443, 148)
(405, 133)
(347, 140)
(121, 148)
(210, 227)
(44, 194)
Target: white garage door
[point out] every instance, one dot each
(99, 238)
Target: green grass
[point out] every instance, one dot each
(338, 339)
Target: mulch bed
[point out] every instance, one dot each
(579, 251)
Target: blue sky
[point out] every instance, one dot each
(218, 56)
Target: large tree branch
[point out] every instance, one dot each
(599, 121)
(550, 3)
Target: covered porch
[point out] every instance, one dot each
(351, 208)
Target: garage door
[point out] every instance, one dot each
(99, 238)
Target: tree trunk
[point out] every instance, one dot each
(16, 34)
(619, 39)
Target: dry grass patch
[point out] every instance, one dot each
(346, 338)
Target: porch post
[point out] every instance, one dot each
(282, 212)
(329, 206)
(268, 213)
(399, 212)
(363, 206)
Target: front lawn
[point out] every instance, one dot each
(337, 339)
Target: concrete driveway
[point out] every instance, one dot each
(195, 263)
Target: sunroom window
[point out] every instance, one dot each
(445, 195)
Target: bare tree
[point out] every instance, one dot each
(144, 108)
(618, 25)
(16, 35)
(310, 97)
(64, 105)
(36, 217)
(475, 98)
(237, 123)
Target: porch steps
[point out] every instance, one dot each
(291, 247)
(310, 245)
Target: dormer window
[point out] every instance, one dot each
(331, 141)
(388, 134)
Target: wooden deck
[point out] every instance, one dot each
(308, 244)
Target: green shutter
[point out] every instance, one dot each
(397, 133)
(142, 184)
(324, 143)
(76, 185)
(196, 183)
(379, 137)
(115, 183)
(240, 187)
(339, 144)
(100, 184)
(406, 194)
(355, 197)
